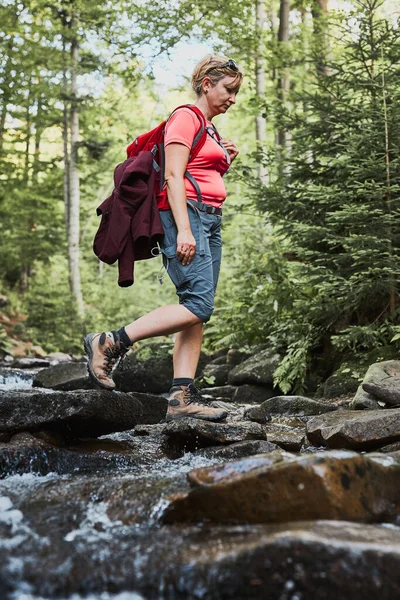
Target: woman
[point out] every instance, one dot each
(192, 243)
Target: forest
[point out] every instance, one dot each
(311, 225)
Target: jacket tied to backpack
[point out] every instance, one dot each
(130, 220)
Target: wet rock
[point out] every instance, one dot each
(153, 407)
(247, 394)
(238, 449)
(217, 375)
(376, 374)
(326, 485)
(73, 414)
(290, 439)
(257, 369)
(224, 392)
(390, 448)
(388, 391)
(309, 561)
(192, 434)
(355, 429)
(290, 405)
(64, 376)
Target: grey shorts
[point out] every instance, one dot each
(195, 283)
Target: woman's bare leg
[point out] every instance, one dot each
(187, 351)
(162, 321)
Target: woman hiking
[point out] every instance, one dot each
(191, 246)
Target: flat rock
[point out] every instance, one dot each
(30, 363)
(238, 449)
(293, 405)
(195, 433)
(376, 374)
(388, 390)
(64, 376)
(263, 489)
(257, 369)
(247, 394)
(74, 414)
(290, 439)
(366, 430)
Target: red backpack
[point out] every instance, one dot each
(153, 141)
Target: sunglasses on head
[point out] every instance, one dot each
(231, 64)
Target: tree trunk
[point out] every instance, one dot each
(65, 132)
(319, 9)
(261, 130)
(73, 212)
(284, 80)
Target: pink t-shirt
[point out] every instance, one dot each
(210, 163)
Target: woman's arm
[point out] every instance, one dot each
(176, 160)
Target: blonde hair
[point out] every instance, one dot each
(210, 66)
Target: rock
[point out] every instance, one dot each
(216, 375)
(246, 394)
(154, 408)
(224, 392)
(340, 384)
(30, 363)
(291, 405)
(376, 374)
(388, 390)
(354, 429)
(219, 360)
(238, 450)
(290, 439)
(390, 448)
(73, 414)
(153, 375)
(257, 369)
(67, 376)
(320, 560)
(192, 434)
(235, 357)
(263, 489)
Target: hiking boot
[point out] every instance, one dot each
(186, 401)
(104, 351)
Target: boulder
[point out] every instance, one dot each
(388, 390)
(339, 485)
(292, 405)
(66, 376)
(377, 373)
(74, 414)
(216, 375)
(30, 363)
(238, 450)
(340, 384)
(257, 369)
(235, 357)
(366, 430)
(247, 394)
(192, 434)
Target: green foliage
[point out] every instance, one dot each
(53, 321)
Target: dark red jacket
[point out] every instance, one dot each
(130, 224)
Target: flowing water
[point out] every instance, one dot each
(96, 533)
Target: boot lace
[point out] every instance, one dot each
(112, 354)
(192, 395)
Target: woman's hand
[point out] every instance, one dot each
(185, 247)
(231, 147)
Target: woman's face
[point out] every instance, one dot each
(222, 95)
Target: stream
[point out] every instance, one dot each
(94, 529)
